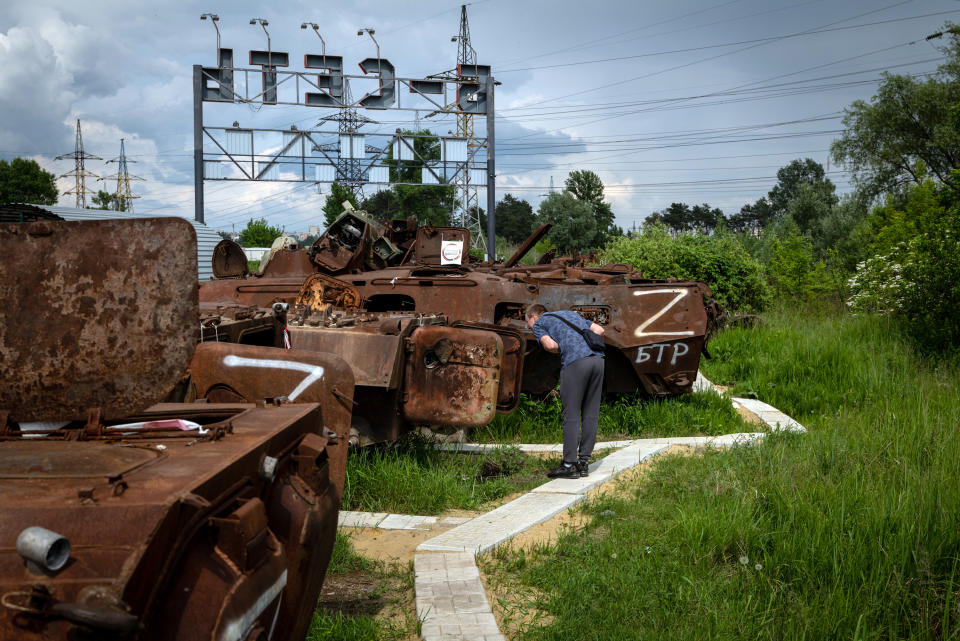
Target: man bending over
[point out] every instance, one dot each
(581, 383)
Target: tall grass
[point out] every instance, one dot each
(703, 413)
(851, 531)
(413, 477)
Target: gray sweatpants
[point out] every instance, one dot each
(581, 387)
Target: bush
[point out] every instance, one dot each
(719, 260)
(917, 280)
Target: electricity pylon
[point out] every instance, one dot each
(466, 193)
(79, 173)
(349, 120)
(123, 196)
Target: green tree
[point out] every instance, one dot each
(844, 231)
(333, 206)
(681, 217)
(24, 181)
(706, 218)
(806, 174)
(430, 204)
(106, 200)
(574, 223)
(910, 127)
(383, 205)
(515, 219)
(258, 233)
(587, 186)
(676, 217)
(915, 274)
(752, 218)
(808, 208)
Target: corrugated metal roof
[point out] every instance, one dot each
(207, 238)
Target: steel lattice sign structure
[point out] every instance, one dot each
(336, 149)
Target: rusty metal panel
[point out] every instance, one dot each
(511, 367)
(285, 262)
(375, 358)
(229, 260)
(452, 376)
(85, 329)
(167, 529)
(427, 245)
(253, 373)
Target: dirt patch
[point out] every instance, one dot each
(385, 593)
(353, 594)
(391, 545)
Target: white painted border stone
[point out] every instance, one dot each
(451, 601)
(360, 519)
(489, 530)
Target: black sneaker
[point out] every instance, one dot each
(565, 471)
(584, 467)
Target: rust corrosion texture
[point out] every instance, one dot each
(71, 318)
(656, 329)
(190, 520)
(408, 368)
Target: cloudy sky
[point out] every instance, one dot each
(691, 101)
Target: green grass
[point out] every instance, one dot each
(413, 477)
(357, 617)
(848, 532)
(703, 413)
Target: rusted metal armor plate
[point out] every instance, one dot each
(76, 333)
(374, 357)
(193, 541)
(253, 373)
(452, 376)
(61, 459)
(511, 368)
(229, 260)
(429, 243)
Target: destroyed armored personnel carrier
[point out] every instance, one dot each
(656, 328)
(410, 368)
(124, 517)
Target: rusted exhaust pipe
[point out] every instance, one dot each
(43, 550)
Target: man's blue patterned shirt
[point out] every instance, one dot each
(572, 345)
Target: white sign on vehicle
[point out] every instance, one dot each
(451, 252)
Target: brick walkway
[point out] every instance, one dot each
(451, 601)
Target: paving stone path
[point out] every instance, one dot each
(451, 601)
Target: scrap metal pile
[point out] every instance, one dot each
(172, 467)
(656, 328)
(129, 518)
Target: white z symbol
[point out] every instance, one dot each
(680, 292)
(314, 372)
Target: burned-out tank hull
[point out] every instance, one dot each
(409, 369)
(187, 520)
(655, 329)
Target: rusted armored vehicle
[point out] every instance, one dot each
(656, 329)
(410, 368)
(128, 518)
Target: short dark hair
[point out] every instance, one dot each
(535, 310)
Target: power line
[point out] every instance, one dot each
(753, 46)
(721, 45)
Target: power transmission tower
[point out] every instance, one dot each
(79, 173)
(349, 120)
(466, 193)
(123, 196)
